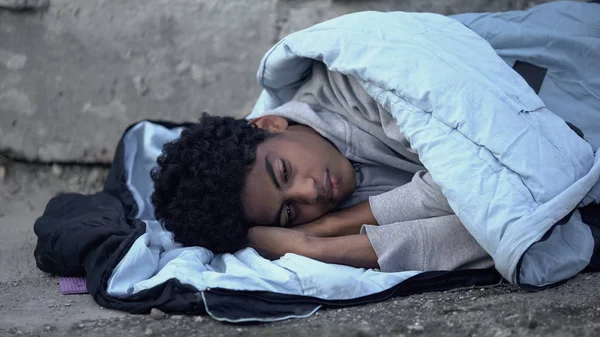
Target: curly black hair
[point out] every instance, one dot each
(199, 180)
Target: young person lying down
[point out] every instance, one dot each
(318, 176)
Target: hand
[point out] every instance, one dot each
(319, 228)
(344, 222)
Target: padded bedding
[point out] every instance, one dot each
(512, 169)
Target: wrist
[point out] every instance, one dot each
(330, 225)
(351, 219)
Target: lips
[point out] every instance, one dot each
(335, 187)
(328, 186)
(331, 186)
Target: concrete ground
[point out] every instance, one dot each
(72, 77)
(31, 304)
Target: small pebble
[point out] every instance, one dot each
(140, 85)
(81, 326)
(148, 331)
(93, 176)
(182, 67)
(128, 54)
(429, 304)
(198, 319)
(2, 172)
(364, 333)
(56, 170)
(176, 317)
(416, 328)
(157, 314)
(532, 324)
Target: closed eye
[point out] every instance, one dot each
(290, 211)
(288, 214)
(285, 171)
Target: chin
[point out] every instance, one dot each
(343, 198)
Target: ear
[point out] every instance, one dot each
(270, 123)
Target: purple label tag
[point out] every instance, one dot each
(72, 285)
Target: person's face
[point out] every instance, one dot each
(298, 176)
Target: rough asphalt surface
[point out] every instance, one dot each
(53, 63)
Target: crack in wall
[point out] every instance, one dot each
(8, 157)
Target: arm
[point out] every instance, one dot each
(352, 250)
(344, 222)
(421, 198)
(438, 243)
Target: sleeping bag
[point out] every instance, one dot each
(502, 109)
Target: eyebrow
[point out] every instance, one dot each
(271, 174)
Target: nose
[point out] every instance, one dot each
(304, 190)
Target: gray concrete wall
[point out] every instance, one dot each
(74, 76)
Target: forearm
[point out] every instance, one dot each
(274, 242)
(352, 250)
(344, 222)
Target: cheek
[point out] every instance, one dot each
(309, 146)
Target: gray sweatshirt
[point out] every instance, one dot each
(417, 229)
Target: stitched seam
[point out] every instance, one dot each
(470, 150)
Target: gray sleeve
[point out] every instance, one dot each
(419, 199)
(440, 243)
